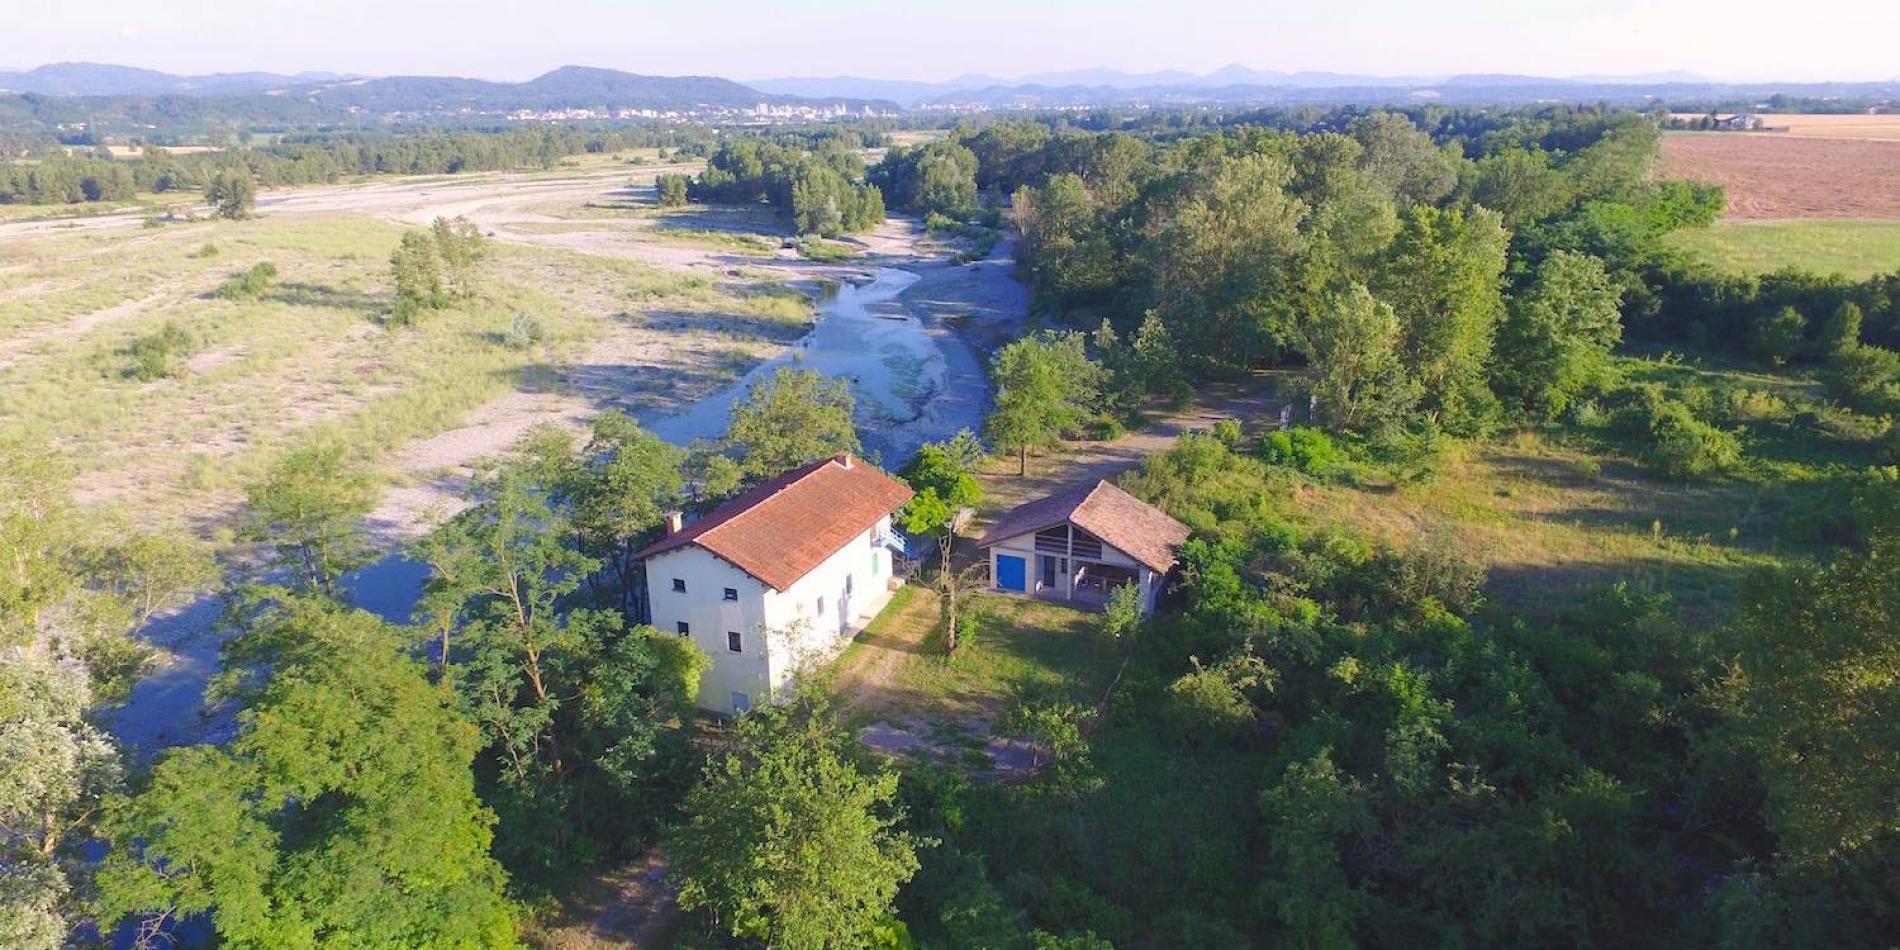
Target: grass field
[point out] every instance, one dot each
(312, 355)
(1857, 249)
(1023, 647)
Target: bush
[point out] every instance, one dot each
(1212, 702)
(1307, 449)
(524, 332)
(159, 354)
(1683, 446)
(250, 285)
(1228, 432)
(1865, 377)
(671, 190)
(1739, 404)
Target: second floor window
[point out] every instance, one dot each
(679, 585)
(733, 642)
(732, 593)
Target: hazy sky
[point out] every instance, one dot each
(938, 39)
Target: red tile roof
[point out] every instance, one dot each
(780, 530)
(1130, 525)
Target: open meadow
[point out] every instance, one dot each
(627, 309)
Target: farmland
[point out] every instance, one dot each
(1768, 176)
(1883, 127)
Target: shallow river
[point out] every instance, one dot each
(913, 384)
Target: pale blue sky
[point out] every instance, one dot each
(931, 39)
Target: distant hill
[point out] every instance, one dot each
(100, 79)
(569, 87)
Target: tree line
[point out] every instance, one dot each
(58, 178)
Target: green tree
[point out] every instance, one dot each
(618, 492)
(1065, 248)
(343, 814)
(1444, 280)
(1819, 674)
(941, 474)
(1841, 330)
(55, 770)
(788, 843)
(416, 267)
(1354, 343)
(793, 417)
(1220, 254)
(1310, 810)
(1555, 343)
(1045, 386)
(1777, 336)
(459, 245)
(1403, 160)
(670, 190)
(232, 192)
(309, 508)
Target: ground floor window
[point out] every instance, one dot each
(683, 628)
(741, 703)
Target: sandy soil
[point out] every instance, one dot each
(1768, 175)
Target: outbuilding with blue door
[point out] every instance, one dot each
(1012, 573)
(1078, 546)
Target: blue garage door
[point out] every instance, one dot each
(1010, 573)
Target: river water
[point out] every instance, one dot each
(913, 383)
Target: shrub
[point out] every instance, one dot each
(1683, 446)
(1307, 449)
(1776, 337)
(671, 190)
(159, 354)
(1212, 702)
(1739, 404)
(207, 249)
(524, 332)
(1228, 432)
(1865, 377)
(250, 285)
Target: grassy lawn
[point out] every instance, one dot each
(1857, 249)
(896, 668)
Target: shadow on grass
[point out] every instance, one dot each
(302, 294)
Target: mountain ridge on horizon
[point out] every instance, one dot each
(584, 86)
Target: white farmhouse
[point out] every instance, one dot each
(777, 578)
(1078, 545)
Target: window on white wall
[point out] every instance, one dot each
(821, 606)
(679, 585)
(733, 642)
(732, 593)
(683, 628)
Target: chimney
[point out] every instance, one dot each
(675, 520)
(845, 460)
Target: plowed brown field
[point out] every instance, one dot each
(1768, 175)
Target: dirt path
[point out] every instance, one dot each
(1080, 463)
(13, 347)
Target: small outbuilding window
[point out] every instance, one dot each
(683, 628)
(732, 593)
(679, 585)
(821, 606)
(733, 642)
